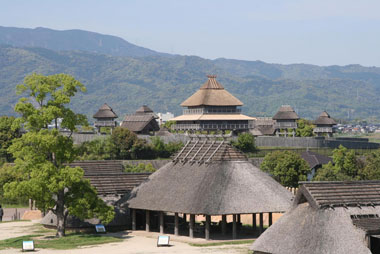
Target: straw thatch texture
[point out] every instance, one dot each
(212, 93)
(221, 187)
(315, 231)
(324, 119)
(315, 159)
(140, 123)
(105, 111)
(286, 112)
(144, 109)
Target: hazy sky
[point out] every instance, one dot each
(323, 32)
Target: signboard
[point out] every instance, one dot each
(163, 240)
(100, 228)
(27, 245)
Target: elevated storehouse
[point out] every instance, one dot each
(286, 118)
(143, 121)
(324, 125)
(105, 117)
(327, 217)
(209, 177)
(212, 108)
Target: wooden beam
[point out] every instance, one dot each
(147, 221)
(224, 224)
(270, 219)
(191, 226)
(161, 222)
(261, 223)
(234, 232)
(184, 217)
(176, 228)
(133, 219)
(207, 229)
(254, 224)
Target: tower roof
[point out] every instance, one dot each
(324, 118)
(144, 109)
(105, 111)
(286, 112)
(211, 93)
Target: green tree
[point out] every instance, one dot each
(371, 170)
(7, 135)
(43, 155)
(140, 168)
(346, 166)
(97, 149)
(304, 128)
(123, 141)
(245, 142)
(287, 167)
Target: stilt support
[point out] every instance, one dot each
(133, 219)
(176, 227)
(147, 221)
(207, 230)
(191, 226)
(224, 224)
(161, 222)
(234, 231)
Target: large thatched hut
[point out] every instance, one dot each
(324, 125)
(209, 177)
(105, 117)
(327, 217)
(143, 121)
(286, 118)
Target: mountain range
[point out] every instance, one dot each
(126, 76)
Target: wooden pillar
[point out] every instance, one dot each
(184, 217)
(270, 219)
(207, 229)
(261, 223)
(224, 224)
(191, 226)
(238, 218)
(234, 232)
(161, 222)
(133, 219)
(254, 225)
(176, 231)
(147, 221)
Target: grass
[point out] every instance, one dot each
(15, 205)
(71, 241)
(222, 243)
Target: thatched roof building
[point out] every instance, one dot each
(315, 161)
(327, 217)
(286, 119)
(105, 117)
(212, 108)
(210, 177)
(324, 124)
(143, 121)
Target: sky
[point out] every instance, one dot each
(321, 32)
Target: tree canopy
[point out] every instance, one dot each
(287, 167)
(304, 128)
(8, 132)
(43, 155)
(245, 142)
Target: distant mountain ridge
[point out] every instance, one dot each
(71, 40)
(163, 81)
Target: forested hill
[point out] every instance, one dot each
(163, 81)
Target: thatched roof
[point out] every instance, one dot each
(212, 93)
(138, 123)
(210, 178)
(315, 159)
(105, 111)
(108, 176)
(324, 119)
(144, 109)
(286, 112)
(328, 217)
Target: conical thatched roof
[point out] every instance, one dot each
(324, 119)
(328, 217)
(212, 93)
(144, 109)
(105, 111)
(286, 112)
(210, 177)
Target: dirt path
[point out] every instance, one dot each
(135, 243)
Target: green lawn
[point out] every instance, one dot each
(71, 241)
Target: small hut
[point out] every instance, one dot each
(209, 177)
(286, 118)
(315, 161)
(324, 125)
(327, 217)
(105, 117)
(143, 121)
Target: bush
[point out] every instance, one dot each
(140, 168)
(245, 143)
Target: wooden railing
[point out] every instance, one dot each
(323, 130)
(212, 126)
(105, 124)
(283, 125)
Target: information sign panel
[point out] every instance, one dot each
(163, 240)
(100, 228)
(27, 245)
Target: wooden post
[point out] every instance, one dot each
(176, 231)
(147, 221)
(224, 224)
(238, 218)
(207, 230)
(161, 222)
(261, 223)
(270, 219)
(254, 224)
(234, 233)
(133, 219)
(184, 217)
(191, 226)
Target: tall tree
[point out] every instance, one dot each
(43, 155)
(305, 128)
(7, 134)
(287, 167)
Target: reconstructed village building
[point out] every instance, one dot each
(143, 121)
(105, 117)
(286, 118)
(324, 125)
(212, 108)
(327, 217)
